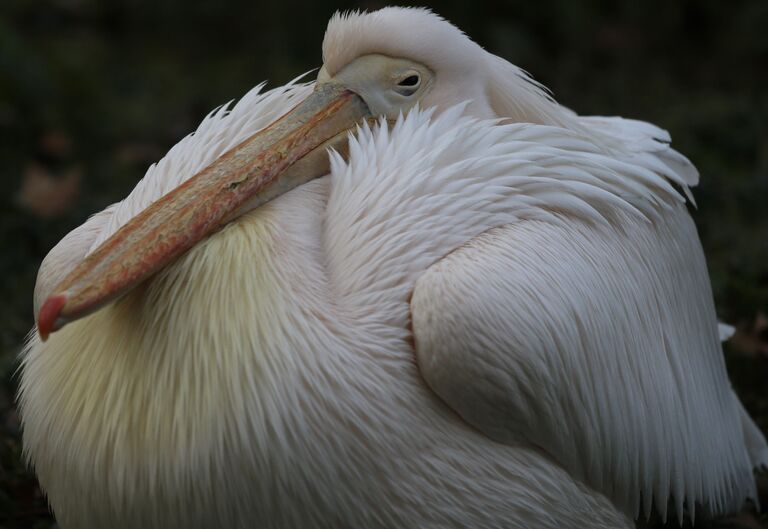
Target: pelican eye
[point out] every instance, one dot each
(408, 85)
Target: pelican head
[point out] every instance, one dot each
(377, 65)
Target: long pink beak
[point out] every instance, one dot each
(259, 169)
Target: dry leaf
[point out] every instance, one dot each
(44, 194)
(56, 143)
(752, 339)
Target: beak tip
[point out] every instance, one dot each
(48, 319)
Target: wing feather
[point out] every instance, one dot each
(599, 344)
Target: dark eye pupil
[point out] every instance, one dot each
(411, 80)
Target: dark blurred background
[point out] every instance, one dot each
(92, 92)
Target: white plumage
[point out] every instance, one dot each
(536, 268)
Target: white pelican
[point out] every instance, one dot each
(486, 312)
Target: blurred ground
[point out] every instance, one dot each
(92, 92)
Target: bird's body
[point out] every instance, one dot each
(274, 374)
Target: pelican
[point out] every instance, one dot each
(416, 293)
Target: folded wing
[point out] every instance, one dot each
(600, 345)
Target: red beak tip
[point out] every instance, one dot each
(49, 315)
